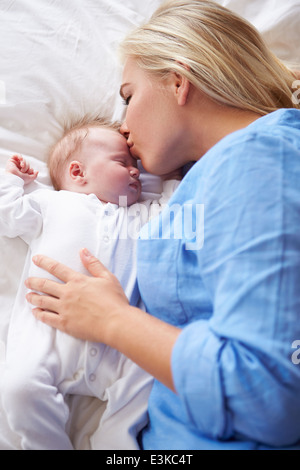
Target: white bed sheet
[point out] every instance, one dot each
(58, 58)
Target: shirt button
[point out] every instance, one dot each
(106, 239)
(92, 378)
(93, 352)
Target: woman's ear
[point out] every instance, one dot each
(182, 88)
(77, 173)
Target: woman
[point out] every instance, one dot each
(200, 85)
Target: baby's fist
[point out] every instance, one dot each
(18, 166)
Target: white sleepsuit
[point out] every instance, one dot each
(44, 365)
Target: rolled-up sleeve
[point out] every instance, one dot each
(226, 391)
(198, 379)
(233, 372)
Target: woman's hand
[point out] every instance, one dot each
(96, 309)
(82, 306)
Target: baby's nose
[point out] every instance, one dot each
(135, 173)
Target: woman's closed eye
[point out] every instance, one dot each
(126, 101)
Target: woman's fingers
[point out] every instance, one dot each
(92, 264)
(50, 318)
(65, 274)
(46, 286)
(58, 270)
(43, 302)
(79, 303)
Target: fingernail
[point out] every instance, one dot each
(86, 253)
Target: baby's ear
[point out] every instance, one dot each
(76, 172)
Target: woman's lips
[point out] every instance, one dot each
(134, 153)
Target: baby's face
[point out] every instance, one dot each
(110, 169)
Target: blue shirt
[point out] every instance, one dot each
(236, 296)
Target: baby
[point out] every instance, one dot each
(94, 206)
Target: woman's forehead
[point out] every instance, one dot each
(131, 71)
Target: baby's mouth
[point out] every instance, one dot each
(136, 185)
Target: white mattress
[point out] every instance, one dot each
(59, 58)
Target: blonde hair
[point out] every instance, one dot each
(219, 52)
(74, 134)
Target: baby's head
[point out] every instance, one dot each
(92, 157)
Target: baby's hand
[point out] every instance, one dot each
(18, 166)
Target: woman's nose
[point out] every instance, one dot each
(124, 130)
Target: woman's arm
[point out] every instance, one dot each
(96, 309)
